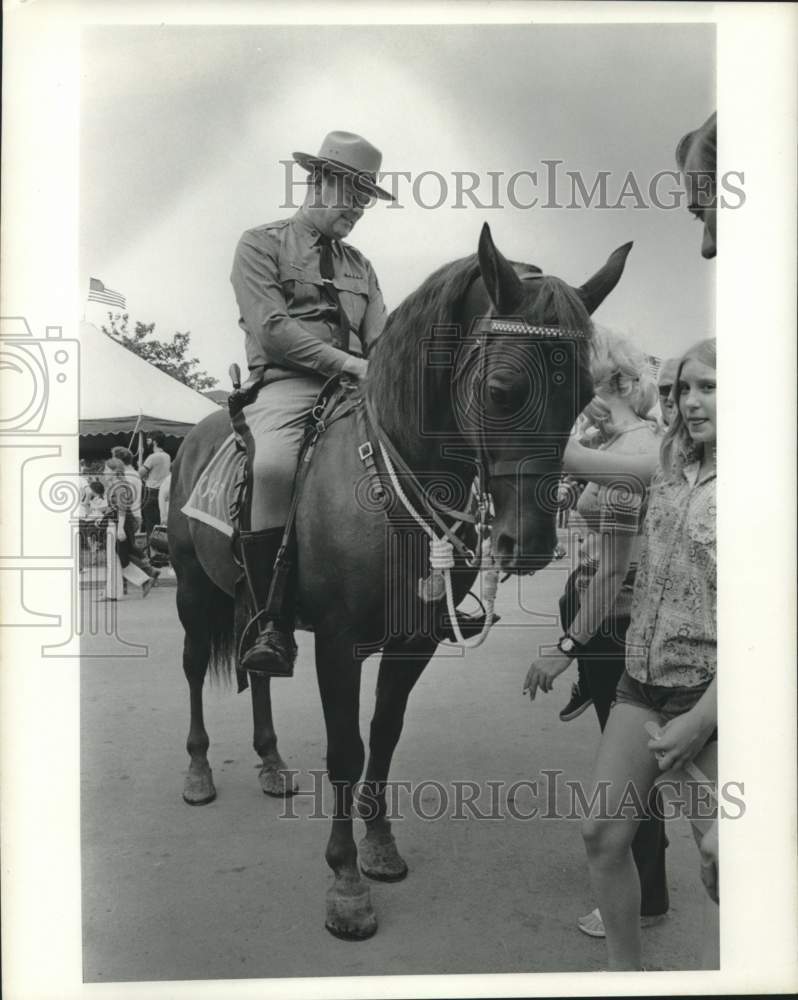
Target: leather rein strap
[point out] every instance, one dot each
(327, 410)
(411, 483)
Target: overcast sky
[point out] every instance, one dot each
(183, 130)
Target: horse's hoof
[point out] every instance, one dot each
(380, 860)
(198, 789)
(350, 915)
(277, 781)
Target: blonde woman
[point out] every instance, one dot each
(595, 608)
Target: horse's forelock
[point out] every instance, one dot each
(555, 303)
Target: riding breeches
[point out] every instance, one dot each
(276, 421)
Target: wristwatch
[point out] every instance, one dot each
(568, 646)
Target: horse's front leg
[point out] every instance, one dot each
(400, 668)
(349, 911)
(275, 778)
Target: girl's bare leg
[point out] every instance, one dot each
(626, 768)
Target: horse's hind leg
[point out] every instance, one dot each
(198, 788)
(275, 778)
(399, 670)
(193, 610)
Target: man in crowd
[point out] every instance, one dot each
(667, 403)
(154, 470)
(125, 456)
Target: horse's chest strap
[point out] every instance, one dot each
(365, 452)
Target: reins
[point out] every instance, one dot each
(442, 545)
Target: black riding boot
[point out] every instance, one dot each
(273, 651)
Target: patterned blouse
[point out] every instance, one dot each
(672, 638)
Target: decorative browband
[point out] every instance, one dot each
(517, 326)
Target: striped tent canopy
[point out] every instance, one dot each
(118, 387)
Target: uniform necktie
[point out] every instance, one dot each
(340, 334)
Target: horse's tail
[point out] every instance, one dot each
(206, 611)
(221, 638)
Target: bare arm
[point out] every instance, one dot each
(618, 549)
(634, 471)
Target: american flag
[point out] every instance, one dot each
(99, 293)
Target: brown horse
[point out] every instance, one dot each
(482, 370)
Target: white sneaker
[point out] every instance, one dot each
(592, 924)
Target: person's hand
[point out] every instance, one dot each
(542, 672)
(710, 871)
(680, 740)
(598, 412)
(355, 367)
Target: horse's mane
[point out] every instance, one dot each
(397, 358)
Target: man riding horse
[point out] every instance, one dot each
(310, 307)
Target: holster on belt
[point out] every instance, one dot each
(243, 395)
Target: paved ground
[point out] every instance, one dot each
(231, 890)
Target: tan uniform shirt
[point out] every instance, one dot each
(284, 312)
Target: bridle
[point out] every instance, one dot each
(471, 365)
(471, 356)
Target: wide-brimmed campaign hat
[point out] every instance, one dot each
(348, 153)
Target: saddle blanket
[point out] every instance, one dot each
(275, 419)
(216, 491)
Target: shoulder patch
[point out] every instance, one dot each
(269, 226)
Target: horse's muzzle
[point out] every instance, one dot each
(512, 558)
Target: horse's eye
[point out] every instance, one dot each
(499, 396)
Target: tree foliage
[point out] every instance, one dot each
(169, 356)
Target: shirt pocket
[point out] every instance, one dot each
(301, 284)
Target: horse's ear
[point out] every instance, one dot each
(503, 284)
(597, 288)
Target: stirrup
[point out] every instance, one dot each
(272, 654)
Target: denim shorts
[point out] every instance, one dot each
(668, 701)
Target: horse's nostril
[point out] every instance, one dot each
(505, 544)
